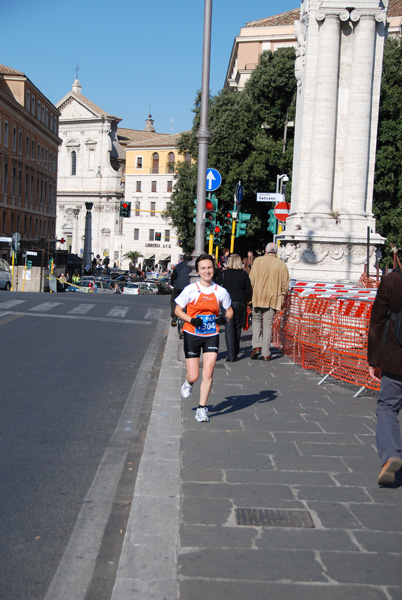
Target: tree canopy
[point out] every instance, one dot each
(387, 204)
(247, 144)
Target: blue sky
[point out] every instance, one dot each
(132, 54)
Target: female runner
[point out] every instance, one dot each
(201, 329)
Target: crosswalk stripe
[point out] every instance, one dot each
(81, 309)
(154, 313)
(45, 306)
(118, 311)
(11, 303)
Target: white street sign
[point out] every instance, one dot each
(266, 197)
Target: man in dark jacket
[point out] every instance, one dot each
(385, 365)
(179, 279)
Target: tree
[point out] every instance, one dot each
(247, 129)
(387, 204)
(132, 256)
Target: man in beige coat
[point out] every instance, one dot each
(269, 278)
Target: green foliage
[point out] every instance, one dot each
(387, 205)
(132, 256)
(247, 131)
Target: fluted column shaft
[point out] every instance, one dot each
(357, 146)
(324, 121)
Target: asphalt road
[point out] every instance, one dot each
(78, 375)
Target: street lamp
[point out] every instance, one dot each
(280, 180)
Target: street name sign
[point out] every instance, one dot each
(214, 179)
(267, 197)
(282, 210)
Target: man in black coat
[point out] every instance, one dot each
(179, 279)
(385, 364)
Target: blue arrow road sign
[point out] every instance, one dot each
(239, 192)
(214, 179)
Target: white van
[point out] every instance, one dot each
(5, 275)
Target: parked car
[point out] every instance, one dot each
(5, 275)
(137, 289)
(85, 286)
(153, 286)
(164, 287)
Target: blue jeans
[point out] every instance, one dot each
(388, 433)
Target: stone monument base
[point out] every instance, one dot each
(327, 260)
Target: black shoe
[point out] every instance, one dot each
(173, 323)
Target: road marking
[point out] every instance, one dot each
(81, 309)
(8, 318)
(156, 313)
(118, 311)
(11, 303)
(45, 306)
(77, 317)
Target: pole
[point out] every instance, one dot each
(210, 244)
(368, 252)
(12, 270)
(203, 134)
(232, 237)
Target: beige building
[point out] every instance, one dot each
(28, 162)
(276, 32)
(149, 182)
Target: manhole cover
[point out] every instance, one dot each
(273, 517)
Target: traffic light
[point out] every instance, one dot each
(125, 209)
(29, 264)
(158, 236)
(217, 234)
(272, 223)
(227, 222)
(241, 226)
(211, 207)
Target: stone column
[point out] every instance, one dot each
(357, 145)
(324, 122)
(88, 236)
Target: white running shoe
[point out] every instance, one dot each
(201, 415)
(186, 389)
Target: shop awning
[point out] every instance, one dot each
(149, 256)
(165, 257)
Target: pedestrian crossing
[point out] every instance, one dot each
(104, 312)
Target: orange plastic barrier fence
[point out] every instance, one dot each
(326, 334)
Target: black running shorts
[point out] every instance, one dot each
(194, 343)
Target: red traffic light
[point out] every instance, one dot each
(228, 215)
(124, 205)
(217, 229)
(208, 205)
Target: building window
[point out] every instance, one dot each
(51, 121)
(137, 209)
(73, 163)
(27, 147)
(167, 235)
(19, 182)
(33, 150)
(28, 106)
(138, 162)
(14, 138)
(5, 178)
(138, 186)
(39, 110)
(20, 142)
(171, 161)
(0, 129)
(169, 187)
(43, 113)
(47, 118)
(155, 162)
(153, 186)
(38, 153)
(13, 181)
(153, 208)
(136, 234)
(151, 235)
(33, 105)
(6, 133)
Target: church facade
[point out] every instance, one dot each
(92, 175)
